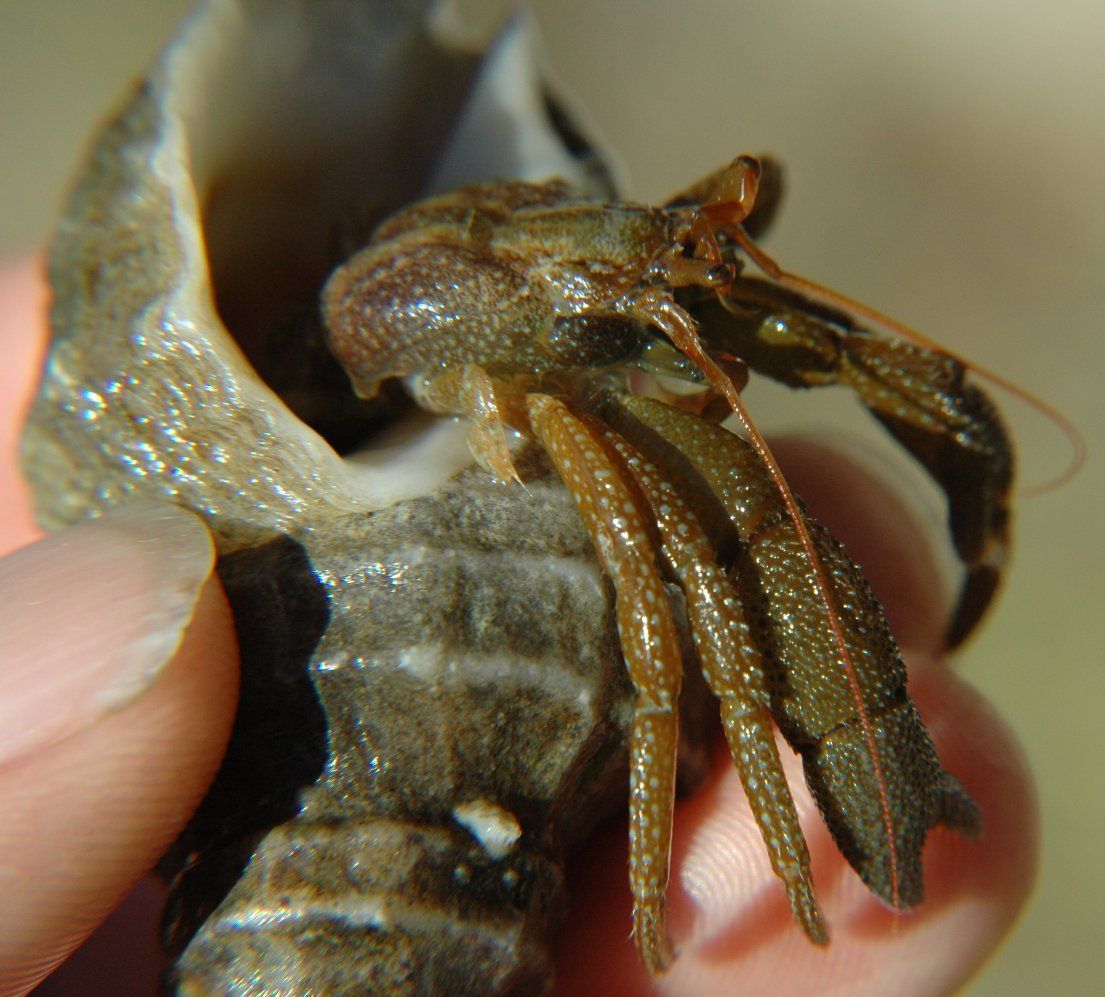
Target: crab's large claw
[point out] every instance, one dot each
(922, 397)
(868, 760)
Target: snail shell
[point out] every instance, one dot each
(434, 705)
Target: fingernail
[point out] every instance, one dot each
(90, 616)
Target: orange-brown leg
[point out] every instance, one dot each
(467, 389)
(610, 507)
(734, 670)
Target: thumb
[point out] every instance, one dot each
(117, 660)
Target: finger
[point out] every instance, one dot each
(23, 298)
(94, 794)
(123, 956)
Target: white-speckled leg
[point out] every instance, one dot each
(734, 671)
(611, 508)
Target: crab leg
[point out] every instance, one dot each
(468, 389)
(879, 785)
(734, 670)
(650, 644)
(923, 399)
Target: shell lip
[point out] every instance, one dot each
(188, 362)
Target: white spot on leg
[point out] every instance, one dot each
(427, 661)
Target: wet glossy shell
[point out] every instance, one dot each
(450, 737)
(433, 704)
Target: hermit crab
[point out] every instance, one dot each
(524, 305)
(446, 668)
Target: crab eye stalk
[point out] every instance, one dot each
(682, 271)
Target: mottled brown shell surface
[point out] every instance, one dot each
(179, 221)
(452, 744)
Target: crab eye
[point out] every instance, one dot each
(720, 275)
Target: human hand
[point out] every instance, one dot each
(91, 802)
(119, 678)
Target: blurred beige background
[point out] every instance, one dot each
(944, 165)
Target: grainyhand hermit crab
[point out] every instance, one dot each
(435, 705)
(527, 305)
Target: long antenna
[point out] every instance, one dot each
(671, 319)
(834, 299)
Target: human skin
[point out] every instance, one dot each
(93, 798)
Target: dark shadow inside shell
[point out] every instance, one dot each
(279, 743)
(305, 162)
(300, 150)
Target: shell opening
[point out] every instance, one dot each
(298, 146)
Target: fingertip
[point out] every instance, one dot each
(90, 615)
(86, 817)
